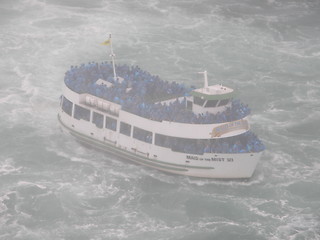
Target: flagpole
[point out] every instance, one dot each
(112, 55)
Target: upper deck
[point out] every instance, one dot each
(141, 93)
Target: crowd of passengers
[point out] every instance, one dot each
(247, 142)
(176, 112)
(139, 91)
(244, 143)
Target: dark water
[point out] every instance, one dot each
(51, 187)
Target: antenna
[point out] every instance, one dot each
(205, 75)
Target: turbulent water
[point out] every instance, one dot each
(51, 187)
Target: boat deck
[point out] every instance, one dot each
(139, 92)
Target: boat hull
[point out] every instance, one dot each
(208, 165)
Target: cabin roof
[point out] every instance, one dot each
(214, 92)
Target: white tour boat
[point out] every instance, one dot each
(128, 112)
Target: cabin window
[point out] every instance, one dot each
(125, 129)
(67, 106)
(246, 142)
(81, 113)
(97, 119)
(162, 140)
(223, 102)
(111, 123)
(198, 101)
(184, 145)
(211, 103)
(142, 135)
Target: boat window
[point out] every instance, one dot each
(97, 119)
(81, 113)
(246, 142)
(198, 101)
(125, 129)
(162, 140)
(67, 106)
(142, 135)
(223, 102)
(184, 145)
(211, 103)
(111, 123)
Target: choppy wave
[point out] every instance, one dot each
(54, 188)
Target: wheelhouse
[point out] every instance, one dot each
(211, 99)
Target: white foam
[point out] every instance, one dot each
(3, 207)
(39, 48)
(7, 166)
(25, 183)
(298, 226)
(26, 85)
(256, 179)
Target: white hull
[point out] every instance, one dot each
(208, 165)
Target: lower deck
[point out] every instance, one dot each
(208, 165)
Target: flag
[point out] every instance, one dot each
(106, 42)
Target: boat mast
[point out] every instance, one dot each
(205, 78)
(112, 55)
